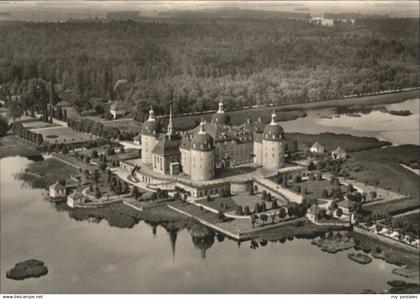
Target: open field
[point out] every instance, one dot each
(10, 145)
(126, 124)
(44, 173)
(394, 207)
(314, 188)
(63, 135)
(381, 166)
(412, 217)
(331, 141)
(364, 100)
(36, 124)
(126, 155)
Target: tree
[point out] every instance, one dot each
(257, 208)
(126, 188)
(264, 195)
(373, 194)
(15, 110)
(135, 192)
(221, 216)
(254, 220)
(239, 210)
(94, 154)
(98, 193)
(263, 218)
(275, 205)
(311, 166)
(96, 176)
(273, 217)
(263, 207)
(176, 195)
(153, 196)
(282, 213)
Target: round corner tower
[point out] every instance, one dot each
(273, 146)
(202, 156)
(149, 137)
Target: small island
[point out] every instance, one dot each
(27, 269)
(360, 258)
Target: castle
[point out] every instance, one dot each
(210, 146)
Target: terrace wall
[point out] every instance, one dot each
(386, 240)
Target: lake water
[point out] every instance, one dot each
(87, 257)
(384, 126)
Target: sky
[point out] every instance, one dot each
(63, 9)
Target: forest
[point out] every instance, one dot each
(196, 63)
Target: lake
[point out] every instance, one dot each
(384, 126)
(88, 257)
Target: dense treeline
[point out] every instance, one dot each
(196, 63)
(98, 129)
(26, 134)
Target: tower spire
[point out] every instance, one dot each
(170, 123)
(273, 118)
(220, 108)
(151, 114)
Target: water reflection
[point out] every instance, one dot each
(124, 257)
(202, 238)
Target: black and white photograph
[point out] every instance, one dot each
(209, 147)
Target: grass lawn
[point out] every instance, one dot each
(412, 217)
(244, 199)
(127, 155)
(394, 207)
(234, 201)
(126, 124)
(314, 188)
(229, 204)
(37, 124)
(44, 173)
(382, 166)
(331, 141)
(233, 225)
(10, 145)
(63, 135)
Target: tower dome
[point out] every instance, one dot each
(273, 131)
(220, 117)
(151, 127)
(202, 141)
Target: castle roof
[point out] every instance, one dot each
(168, 145)
(151, 127)
(220, 118)
(57, 186)
(273, 131)
(253, 126)
(202, 140)
(219, 134)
